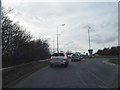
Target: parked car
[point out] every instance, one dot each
(76, 57)
(59, 59)
(69, 56)
(81, 56)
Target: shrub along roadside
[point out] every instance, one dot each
(18, 45)
(14, 75)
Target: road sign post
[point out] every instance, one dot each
(90, 51)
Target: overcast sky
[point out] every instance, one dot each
(42, 19)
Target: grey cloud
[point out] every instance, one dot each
(44, 18)
(102, 39)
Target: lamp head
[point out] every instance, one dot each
(63, 24)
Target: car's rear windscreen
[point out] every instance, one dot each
(75, 55)
(58, 54)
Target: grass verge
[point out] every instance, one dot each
(105, 56)
(115, 61)
(12, 76)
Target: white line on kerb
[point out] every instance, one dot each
(24, 64)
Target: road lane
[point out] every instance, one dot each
(107, 73)
(84, 74)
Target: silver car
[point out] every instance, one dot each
(59, 59)
(76, 57)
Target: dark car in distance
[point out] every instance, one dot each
(76, 57)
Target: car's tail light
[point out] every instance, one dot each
(50, 58)
(65, 58)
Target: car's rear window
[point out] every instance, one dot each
(58, 54)
(75, 55)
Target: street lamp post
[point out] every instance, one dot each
(57, 37)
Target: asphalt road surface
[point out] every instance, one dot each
(91, 73)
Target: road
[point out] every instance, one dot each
(91, 73)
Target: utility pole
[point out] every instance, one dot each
(89, 50)
(89, 36)
(57, 41)
(53, 46)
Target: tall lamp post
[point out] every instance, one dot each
(57, 37)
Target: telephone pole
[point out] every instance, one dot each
(89, 36)
(89, 50)
(53, 46)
